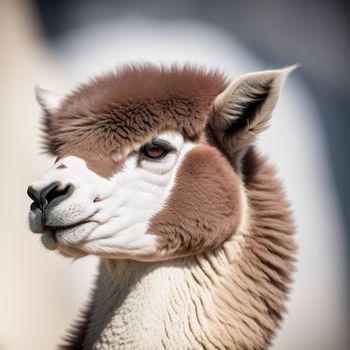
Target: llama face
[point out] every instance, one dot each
(109, 216)
(146, 208)
(148, 162)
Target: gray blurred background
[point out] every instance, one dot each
(59, 43)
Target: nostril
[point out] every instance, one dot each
(56, 192)
(51, 193)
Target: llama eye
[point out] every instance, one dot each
(154, 150)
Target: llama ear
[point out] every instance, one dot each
(244, 108)
(48, 100)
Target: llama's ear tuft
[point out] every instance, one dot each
(48, 100)
(244, 108)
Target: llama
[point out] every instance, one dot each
(156, 173)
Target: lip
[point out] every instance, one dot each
(56, 228)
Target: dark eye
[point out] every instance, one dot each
(153, 151)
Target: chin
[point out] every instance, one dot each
(68, 241)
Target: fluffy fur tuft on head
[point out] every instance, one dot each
(114, 110)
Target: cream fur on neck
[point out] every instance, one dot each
(161, 305)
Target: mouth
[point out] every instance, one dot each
(65, 227)
(66, 236)
(57, 228)
(52, 235)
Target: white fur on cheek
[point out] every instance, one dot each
(138, 193)
(116, 225)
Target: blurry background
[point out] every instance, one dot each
(58, 43)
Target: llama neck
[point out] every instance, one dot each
(156, 305)
(132, 311)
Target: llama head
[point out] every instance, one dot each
(148, 161)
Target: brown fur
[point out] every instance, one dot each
(77, 332)
(62, 166)
(204, 208)
(257, 289)
(104, 166)
(112, 113)
(117, 110)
